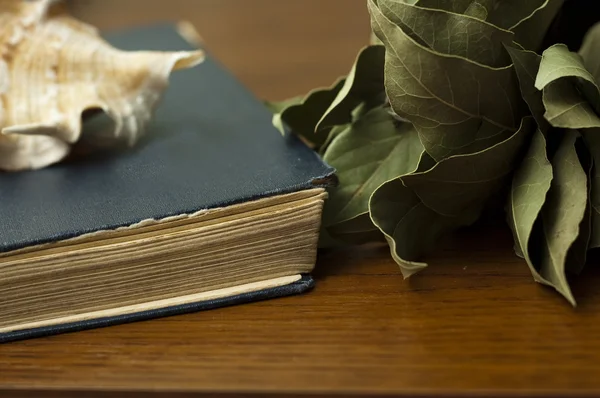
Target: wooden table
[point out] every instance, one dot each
(474, 323)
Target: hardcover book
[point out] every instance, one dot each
(215, 207)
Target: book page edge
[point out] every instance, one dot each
(159, 304)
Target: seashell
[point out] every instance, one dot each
(53, 68)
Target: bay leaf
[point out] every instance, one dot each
(460, 185)
(450, 33)
(336, 130)
(577, 255)
(592, 140)
(532, 30)
(529, 188)
(505, 14)
(374, 40)
(301, 114)
(279, 106)
(479, 9)
(426, 163)
(435, 91)
(333, 132)
(591, 59)
(562, 215)
(461, 139)
(527, 64)
(589, 51)
(363, 85)
(567, 108)
(459, 7)
(410, 228)
(560, 63)
(373, 150)
(410, 212)
(570, 94)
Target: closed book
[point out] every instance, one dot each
(214, 207)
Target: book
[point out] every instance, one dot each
(215, 207)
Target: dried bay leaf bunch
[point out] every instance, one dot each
(453, 103)
(53, 68)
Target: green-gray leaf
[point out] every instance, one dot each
(374, 40)
(592, 140)
(562, 76)
(464, 138)
(426, 163)
(577, 255)
(531, 31)
(333, 132)
(505, 14)
(301, 114)
(373, 150)
(364, 84)
(558, 63)
(450, 33)
(411, 228)
(529, 188)
(589, 51)
(479, 9)
(435, 91)
(567, 108)
(527, 64)
(461, 185)
(410, 212)
(562, 215)
(280, 106)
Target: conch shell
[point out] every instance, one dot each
(53, 68)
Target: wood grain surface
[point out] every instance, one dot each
(474, 323)
(277, 48)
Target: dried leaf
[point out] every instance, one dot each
(487, 109)
(505, 14)
(450, 33)
(333, 133)
(557, 63)
(280, 106)
(415, 210)
(410, 228)
(301, 114)
(532, 30)
(372, 151)
(363, 85)
(592, 140)
(589, 51)
(562, 215)
(567, 108)
(461, 184)
(570, 94)
(374, 40)
(530, 185)
(590, 55)
(435, 92)
(527, 64)
(577, 255)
